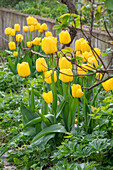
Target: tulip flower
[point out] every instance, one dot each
(49, 45)
(99, 76)
(85, 46)
(64, 63)
(15, 53)
(12, 32)
(67, 76)
(12, 45)
(82, 70)
(48, 97)
(29, 44)
(36, 41)
(31, 28)
(64, 37)
(44, 26)
(41, 65)
(76, 91)
(19, 37)
(17, 27)
(48, 33)
(92, 61)
(108, 84)
(48, 76)
(23, 69)
(25, 28)
(78, 44)
(8, 31)
(37, 26)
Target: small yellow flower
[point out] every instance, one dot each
(15, 53)
(85, 46)
(29, 44)
(8, 31)
(17, 27)
(48, 97)
(76, 91)
(64, 37)
(66, 75)
(23, 69)
(65, 63)
(12, 45)
(19, 37)
(82, 70)
(41, 65)
(48, 76)
(25, 28)
(76, 121)
(36, 41)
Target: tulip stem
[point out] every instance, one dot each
(27, 90)
(85, 110)
(78, 114)
(43, 81)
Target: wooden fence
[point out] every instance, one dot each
(8, 18)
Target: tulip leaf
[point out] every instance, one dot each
(27, 114)
(72, 112)
(60, 107)
(56, 128)
(12, 66)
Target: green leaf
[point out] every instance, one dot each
(12, 66)
(55, 27)
(109, 4)
(56, 128)
(27, 114)
(32, 102)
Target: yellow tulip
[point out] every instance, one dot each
(64, 63)
(76, 121)
(64, 37)
(15, 53)
(86, 55)
(31, 21)
(78, 44)
(36, 41)
(41, 65)
(25, 28)
(17, 27)
(12, 32)
(31, 28)
(108, 84)
(67, 76)
(29, 44)
(85, 46)
(76, 91)
(99, 76)
(37, 26)
(48, 33)
(48, 76)
(49, 45)
(41, 30)
(44, 26)
(8, 31)
(48, 97)
(82, 70)
(92, 62)
(96, 50)
(12, 45)
(23, 69)
(19, 37)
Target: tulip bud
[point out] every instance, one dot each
(48, 33)
(12, 32)
(23, 69)
(44, 26)
(8, 31)
(36, 41)
(29, 44)
(31, 28)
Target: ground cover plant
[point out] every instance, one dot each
(57, 112)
